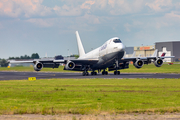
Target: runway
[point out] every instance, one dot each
(43, 75)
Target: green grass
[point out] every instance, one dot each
(89, 96)
(145, 69)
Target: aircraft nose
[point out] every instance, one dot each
(121, 47)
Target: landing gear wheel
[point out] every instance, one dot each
(84, 73)
(116, 72)
(103, 73)
(92, 73)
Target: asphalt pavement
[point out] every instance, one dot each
(47, 75)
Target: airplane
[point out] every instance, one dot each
(109, 55)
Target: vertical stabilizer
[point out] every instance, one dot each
(155, 53)
(134, 54)
(80, 46)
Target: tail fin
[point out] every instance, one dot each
(80, 46)
(163, 54)
(155, 53)
(134, 54)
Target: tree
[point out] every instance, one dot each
(3, 63)
(76, 56)
(35, 56)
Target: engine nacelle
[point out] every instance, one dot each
(158, 62)
(138, 63)
(38, 66)
(69, 66)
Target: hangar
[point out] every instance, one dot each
(171, 48)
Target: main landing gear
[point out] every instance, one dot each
(104, 72)
(116, 72)
(85, 73)
(93, 73)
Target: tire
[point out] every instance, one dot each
(83, 73)
(103, 73)
(92, 73)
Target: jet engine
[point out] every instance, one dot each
(138, 63)
(38, 66)
(158, 62)
(69, 66)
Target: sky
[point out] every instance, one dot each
(48, 26)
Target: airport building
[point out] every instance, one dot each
(144, 51)
(171, 48)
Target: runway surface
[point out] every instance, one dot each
(43, 75)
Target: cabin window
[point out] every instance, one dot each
(117, 41)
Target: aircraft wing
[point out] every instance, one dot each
(38, 60)
(133, 58)
(85, 61)
(154, 56)
(144, 58)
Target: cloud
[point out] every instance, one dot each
(121, 7)
(91, 19)
(160, 5)
(87, 4)
(42, 22)
(173, 15)
(67, 10)
(26, 8)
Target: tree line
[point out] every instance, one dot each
(33, 56)
(4, 62)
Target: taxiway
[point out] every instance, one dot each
(44, 75)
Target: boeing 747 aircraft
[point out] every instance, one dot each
(109, 55)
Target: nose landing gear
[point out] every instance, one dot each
(85, 73)
(117, 66)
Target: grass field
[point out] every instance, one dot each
(145, 69)
(89, 96)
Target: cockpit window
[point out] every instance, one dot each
(117, 41)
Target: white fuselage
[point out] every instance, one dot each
(106, 52)
(107, 48)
